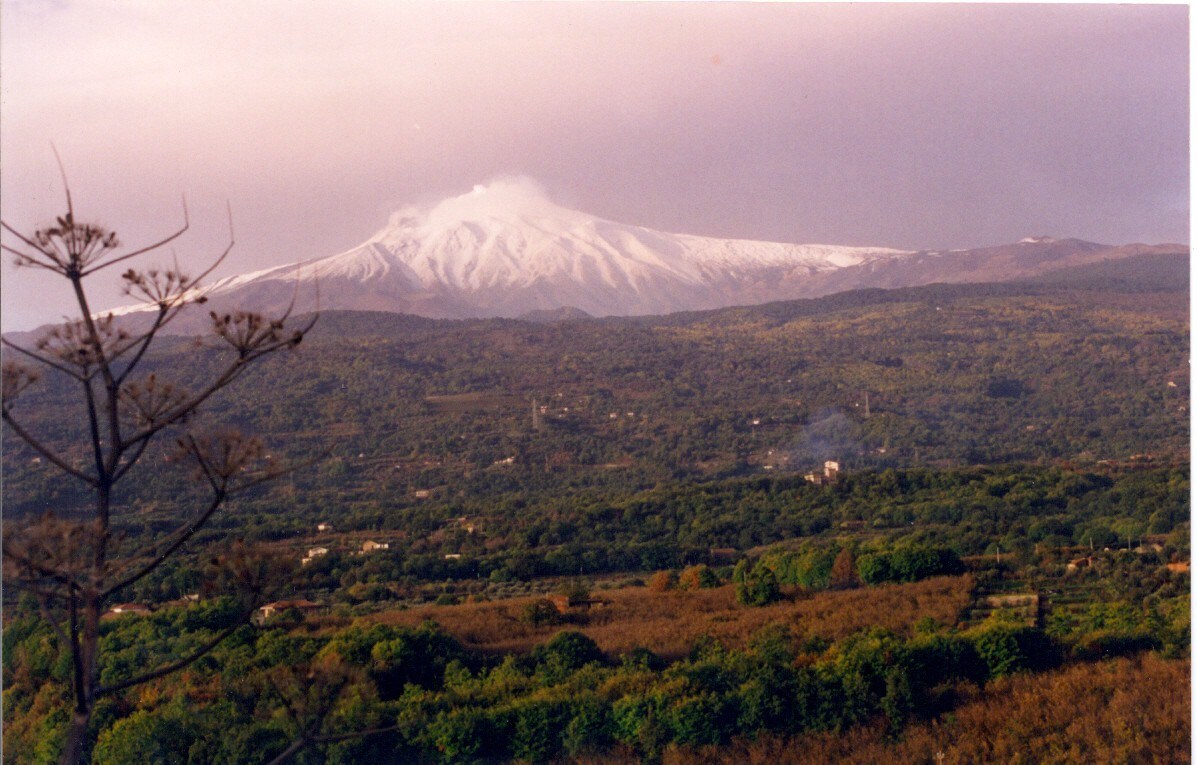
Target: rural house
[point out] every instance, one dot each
(269, 610)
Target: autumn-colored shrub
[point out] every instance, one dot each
(843, 571)
(662, 581)
(697, 578)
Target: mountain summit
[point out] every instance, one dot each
(505, 249)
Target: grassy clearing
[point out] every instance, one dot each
(668, 623)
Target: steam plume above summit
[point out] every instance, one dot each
(509, 199)
(506, 249)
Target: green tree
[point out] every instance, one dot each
(463, 735)
(568, 651)
(162, 735)
(541, 612)
(758, 587)
(590, 729)
(1009, 648)
(538, 728)
(874, 568)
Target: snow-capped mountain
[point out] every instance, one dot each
(504, 249)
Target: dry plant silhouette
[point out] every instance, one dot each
(310, 694)
(74, 561)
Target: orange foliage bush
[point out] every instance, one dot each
(697, 578)
(662, 581)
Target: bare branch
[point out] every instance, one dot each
(43, 607)
(316, 691)
(66, 187)
(175, 666)
(142, 343)
(253, 335)
(66, 562)
(255, 574)
(273, 472)
(186, 408)
(98, 332)
(83, 343)
(38, 447)
(188, 290)
(24, 259)
(33, 574)
(28, 242)
(93, 425)
(48, 549)
(130, 460)
(148, 248)
(79, 672)
(144, 403)
(43, 360)
(286, 701)
(296, 746)
(316, 688)
(16, 378)
(176, 540)
(68, 247)
(328, 739)
(304, 741)
(251, 342)
(220, 259)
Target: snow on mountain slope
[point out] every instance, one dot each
(505, 249)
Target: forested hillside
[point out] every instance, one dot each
(932, 377)
(619, 539)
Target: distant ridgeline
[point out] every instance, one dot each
(507, 250)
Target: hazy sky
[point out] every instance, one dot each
(909, 126)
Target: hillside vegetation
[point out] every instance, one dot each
(953, 375)
(603, 542)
